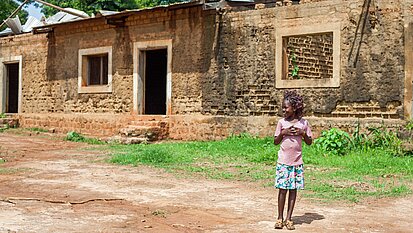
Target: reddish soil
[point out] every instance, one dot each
(50, 185)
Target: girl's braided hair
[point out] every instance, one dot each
(296, 102)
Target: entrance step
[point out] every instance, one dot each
(144, 129)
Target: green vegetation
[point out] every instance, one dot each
(360, 171)
(6, 127)
(76, 137)
(88, 6)
(338, 142)
(7, 7)
(409, 125)
(3, 115)
(35, 129)
(296, 69)
(94, 6)
(2, 170)
(333, 141)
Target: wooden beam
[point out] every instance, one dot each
(61, 9)
(14, 12)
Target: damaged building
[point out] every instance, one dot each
(206, 70)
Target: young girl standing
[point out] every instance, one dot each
(290, 171)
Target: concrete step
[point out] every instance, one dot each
(149, 123)
(151, 118)
(144, 129)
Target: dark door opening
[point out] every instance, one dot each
(12, 88)
(155, 81)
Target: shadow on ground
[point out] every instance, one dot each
(307, 218)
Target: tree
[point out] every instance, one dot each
(7, 7)
(93, 6)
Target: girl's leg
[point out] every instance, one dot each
(282, 193)
(291, 202)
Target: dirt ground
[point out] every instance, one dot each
(52, 185)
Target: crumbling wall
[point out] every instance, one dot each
(50, 60)
(241, 81)
(223, 66)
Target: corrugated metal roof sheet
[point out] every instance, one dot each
(128, 12)
(15, 26)
(65, 17)
(31, 23)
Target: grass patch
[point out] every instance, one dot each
(357, 175)
(76, 137)
(40, 130)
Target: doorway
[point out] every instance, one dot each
(12, 88)
(155, 74)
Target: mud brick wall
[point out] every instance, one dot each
(223, 65)
(95, 124)
(183, 26)
(240, 81)
(197, 127)
(241, 78)
(312, 54)
(50, 60)
(36, 91)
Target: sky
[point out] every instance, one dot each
(33, 11)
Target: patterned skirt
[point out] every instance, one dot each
(289, 177)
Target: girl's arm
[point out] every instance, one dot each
(278, 138)
(308, 140)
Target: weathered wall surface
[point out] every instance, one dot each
(372, 60)
(33, 50)
(223, 68)
(50, 61)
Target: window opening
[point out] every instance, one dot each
(308, 56)
(98, 69)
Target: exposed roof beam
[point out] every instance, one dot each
(61, 9)
(14, 12)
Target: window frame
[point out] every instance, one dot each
(283, 32)
(83, 71)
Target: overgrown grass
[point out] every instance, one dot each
(359, 174)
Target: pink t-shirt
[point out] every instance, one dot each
(291, 147)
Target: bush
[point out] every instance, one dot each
(338, 142)
(381, 138)
(334, 141)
